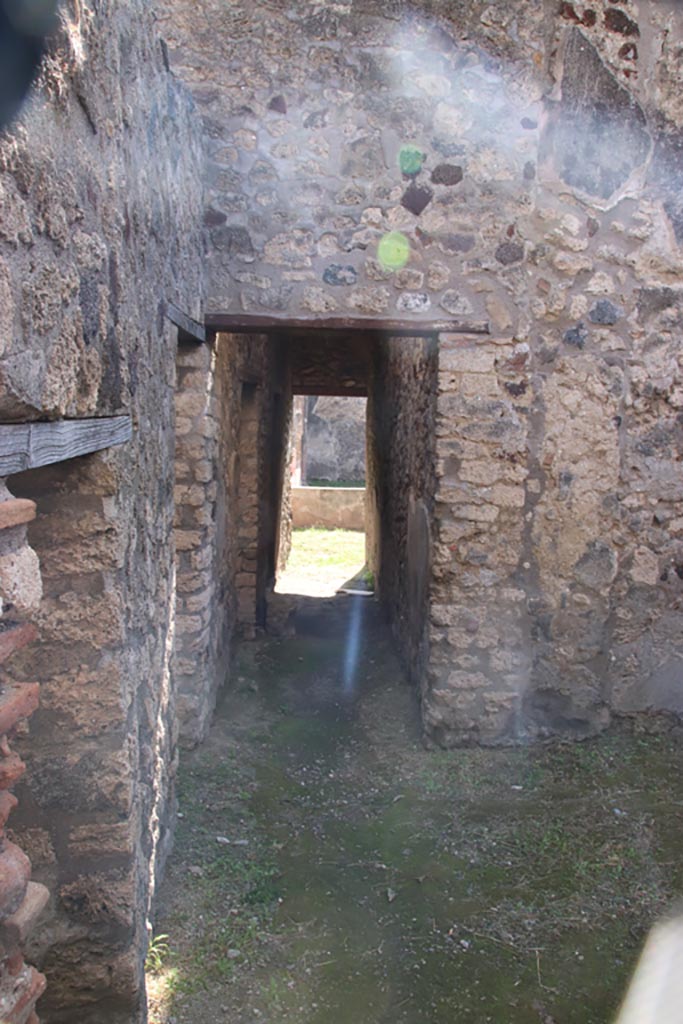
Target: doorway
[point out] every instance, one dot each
(326, 470)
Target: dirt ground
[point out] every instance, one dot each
(330, 869)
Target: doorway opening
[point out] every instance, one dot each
(326, 480)
(395, 378)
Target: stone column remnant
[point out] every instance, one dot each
(21, 901)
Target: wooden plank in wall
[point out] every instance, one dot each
(29, 445)
(189, 329)
(236, 323)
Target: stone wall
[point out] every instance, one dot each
(332, 508)
(480, 634)
(515, 164)
(99, 226)
(262, 451)
(207, 550)
(231, 443)
(519, 165)
(334, 439)
(400, 488)
(557, 537)
(275, 424)
(22, 902)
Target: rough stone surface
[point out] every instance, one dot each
(605, 312)
(447, 174)
(334, 439)
(101, 224)
(400, 488)
(340, 275)
(525, 493)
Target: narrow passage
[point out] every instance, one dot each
(330, 870)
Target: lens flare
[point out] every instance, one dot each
(410, 160)
(352, 645)
(393, 251)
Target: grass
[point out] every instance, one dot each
(317, 547)
(368, 879)
(322, 560)
(157, 952)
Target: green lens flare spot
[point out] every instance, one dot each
(393, 251)
(410, 160)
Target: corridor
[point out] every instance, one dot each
(328, 870)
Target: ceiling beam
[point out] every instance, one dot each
(238, 323)
(338, 391)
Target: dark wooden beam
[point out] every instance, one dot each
(334, 392)
(238, 323)
(29, 445)
(188, 328)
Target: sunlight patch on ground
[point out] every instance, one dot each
(321, 561)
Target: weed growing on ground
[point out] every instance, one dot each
(157, 952)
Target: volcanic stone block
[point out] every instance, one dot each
(447, 174)
(336, 274)
(576, 336)
(417, 198)
(508, 253)
(605, 312)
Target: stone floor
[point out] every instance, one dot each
(330, 870)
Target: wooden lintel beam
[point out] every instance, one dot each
(334, 392)
(189, 329)
(29, 445)
(236, 323)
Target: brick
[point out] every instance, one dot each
(16, 511)
(14, 636)
(17, 928)
(468, 360)
(15, 871)
(188, 540)
(191, 404)
(460, 680)
(479, 384)
(17, 701)
(480, 472)
(193, 495)
(477, 513)
(186, 624)
(508, 497)
(200, 601)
